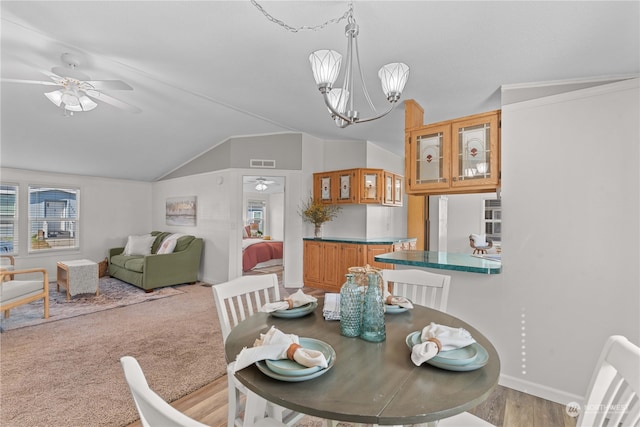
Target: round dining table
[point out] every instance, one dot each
(371, 383)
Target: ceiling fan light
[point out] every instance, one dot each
(76, 108)
(325, 65)
(261, 186)
(393, 78)
(55, 97)
(87, 103)
(70, 99)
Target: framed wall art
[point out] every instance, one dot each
(181, 210)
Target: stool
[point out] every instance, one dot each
(78, 277)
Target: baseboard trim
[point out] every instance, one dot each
(539, 390)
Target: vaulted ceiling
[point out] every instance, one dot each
(205, 71)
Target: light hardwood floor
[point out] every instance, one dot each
(505, 407)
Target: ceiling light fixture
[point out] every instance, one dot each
(325, 65)
(261, 186)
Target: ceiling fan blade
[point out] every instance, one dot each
(33, 82)
(113, 101)
(109, 85)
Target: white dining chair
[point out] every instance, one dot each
(420, 286)
(613, 395)
(155, 411)
(235, 301)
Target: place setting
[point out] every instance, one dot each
(287, 357)
(296, 305)
(394, 304)
(445, 347)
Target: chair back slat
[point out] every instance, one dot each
(421, 287)
(612, 396)
(242, 297)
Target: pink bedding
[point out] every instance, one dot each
(262, 251)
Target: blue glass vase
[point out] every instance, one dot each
(350, 308)
(373, 328)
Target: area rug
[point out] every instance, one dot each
(68, 372)
(113, 293)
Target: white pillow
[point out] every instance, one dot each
(139, 245)
(480, 240)
(167, 246)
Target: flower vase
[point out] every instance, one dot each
(317, 232)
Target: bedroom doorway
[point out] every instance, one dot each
(263, 224)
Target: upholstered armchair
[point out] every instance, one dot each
(17, 292)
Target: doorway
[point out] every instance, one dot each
(263, 201)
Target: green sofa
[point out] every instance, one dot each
(157, 270)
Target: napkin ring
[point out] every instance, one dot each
(292, 349)
(437, 341)
(290, 302)
(389, 300)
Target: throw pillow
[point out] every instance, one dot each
(139, 245)
(167, 246)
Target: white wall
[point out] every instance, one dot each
(110, 210)
(571, 203)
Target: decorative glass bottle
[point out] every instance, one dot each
(350, 308)
(373, 328)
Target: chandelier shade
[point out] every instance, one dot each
(393, 78)
(325, 65)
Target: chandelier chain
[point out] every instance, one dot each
(288, 27)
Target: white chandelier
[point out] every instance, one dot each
(340, 101)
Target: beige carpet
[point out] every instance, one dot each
(68, 373)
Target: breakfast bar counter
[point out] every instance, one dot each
(441, 261)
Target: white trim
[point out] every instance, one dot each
(539, 390)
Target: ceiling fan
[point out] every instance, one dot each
(78, 91)
(262, 183)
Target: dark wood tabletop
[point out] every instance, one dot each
(372, 383)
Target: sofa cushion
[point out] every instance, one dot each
(183, 243)
(121, 260)
(135, 264)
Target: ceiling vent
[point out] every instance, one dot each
(259, 163)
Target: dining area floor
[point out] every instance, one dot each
(505, 407)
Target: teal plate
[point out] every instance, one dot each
(292, 368)
(295, 312)
(286, 375)
(468, 358)
(394, 309)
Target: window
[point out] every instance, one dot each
(492, 220)
(53, 218)
(8, 219)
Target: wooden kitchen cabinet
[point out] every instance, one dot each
(452, 157)
(325, 262)
(357, 186)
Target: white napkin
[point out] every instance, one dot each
(396, 300)
(298, 299)
(448, 337)
(331, 308)
(274, 345)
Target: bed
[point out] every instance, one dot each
(257, 253)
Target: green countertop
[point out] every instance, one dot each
(442, 261)
(364, 241)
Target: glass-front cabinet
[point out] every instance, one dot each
(359, 186)
(456, 156)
